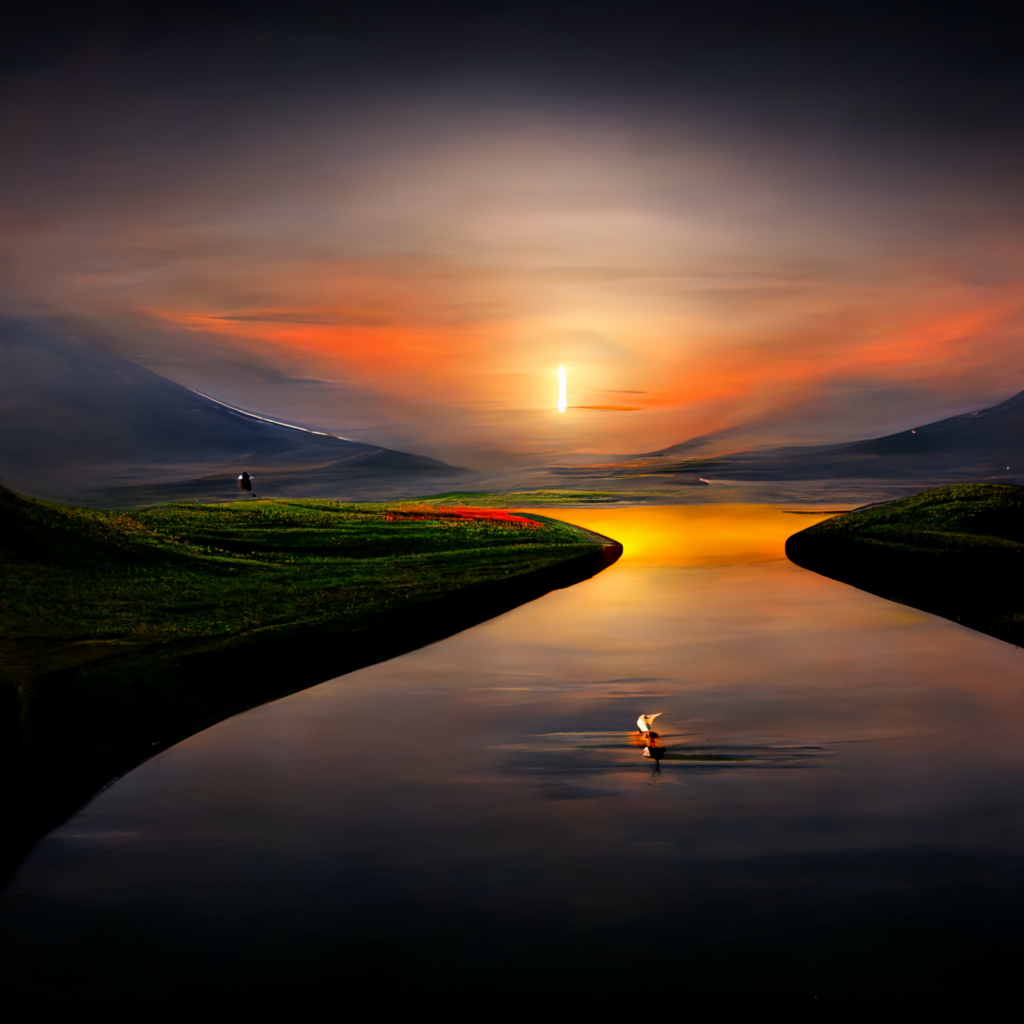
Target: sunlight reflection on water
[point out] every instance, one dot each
(693, 534)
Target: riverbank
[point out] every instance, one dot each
(954, 551)
(123, 631)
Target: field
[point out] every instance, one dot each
(185, 572)
(956, 551)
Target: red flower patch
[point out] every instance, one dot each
(465, 515)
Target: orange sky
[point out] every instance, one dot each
(422, 293)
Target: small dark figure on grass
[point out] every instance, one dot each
(245, 483)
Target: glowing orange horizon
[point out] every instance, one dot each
(682, 288)
(480, 365)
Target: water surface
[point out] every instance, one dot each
(839, 816)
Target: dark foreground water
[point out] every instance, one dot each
(474, 824)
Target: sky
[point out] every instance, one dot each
(779, 223)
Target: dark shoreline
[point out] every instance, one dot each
(954, 551)
(89, 725)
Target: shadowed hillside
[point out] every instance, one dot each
(955, 551)
(79, 424)
(985, 445)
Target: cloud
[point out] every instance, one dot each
(441, 240)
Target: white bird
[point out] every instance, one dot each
(644, 722)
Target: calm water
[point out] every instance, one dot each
(479, 812)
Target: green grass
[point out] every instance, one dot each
(957, 551)
(946, 520)
(188, 571)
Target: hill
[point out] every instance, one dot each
(81, 425)
(954, 551)
(987, 445)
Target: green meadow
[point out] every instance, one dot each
(83, 582)
(956, 551)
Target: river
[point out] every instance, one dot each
(838, 813)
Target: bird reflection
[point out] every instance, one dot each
(654, 752)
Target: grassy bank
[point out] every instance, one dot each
(955, 551)
(186, 573)
(122, 631)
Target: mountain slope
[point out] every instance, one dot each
(80, 424)
(985, 445)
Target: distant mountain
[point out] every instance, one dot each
(79, 424)
(984, 445)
